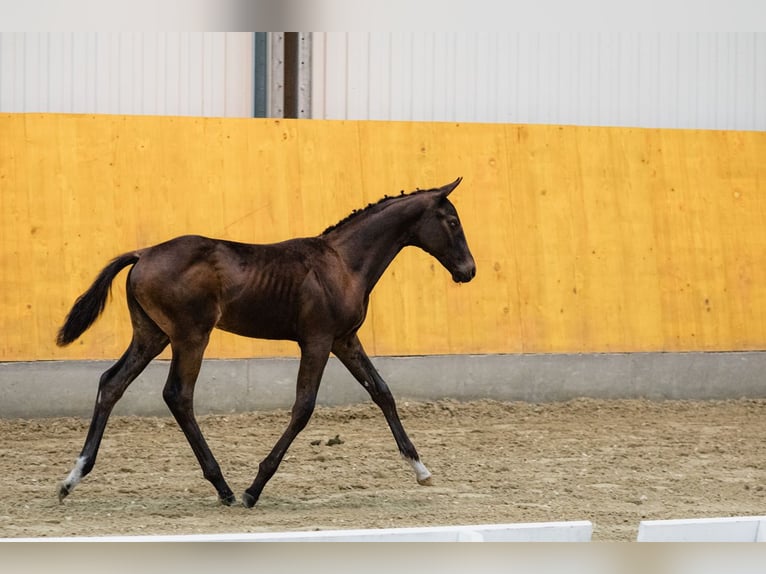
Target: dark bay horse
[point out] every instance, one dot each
(314, 291)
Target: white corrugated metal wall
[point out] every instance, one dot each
(199, 74)
(674, 80)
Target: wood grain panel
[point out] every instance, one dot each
(586, 239)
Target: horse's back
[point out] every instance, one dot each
(249, 289)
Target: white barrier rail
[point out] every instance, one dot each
(729, 529)
(733, 529)
(575, 531)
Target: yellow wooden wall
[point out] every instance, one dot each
(586, 239)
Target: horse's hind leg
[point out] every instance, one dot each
(352, 355)
(313, 360)
(179, 396)
(148, 342)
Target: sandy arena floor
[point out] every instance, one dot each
(611, 462)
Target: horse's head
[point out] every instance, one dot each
(440, 234)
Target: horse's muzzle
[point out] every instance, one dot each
(464, 275)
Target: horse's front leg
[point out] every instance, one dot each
(352, 355)
(314, 357)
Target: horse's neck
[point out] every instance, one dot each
(369, 244)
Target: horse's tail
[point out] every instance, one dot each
(91, 304)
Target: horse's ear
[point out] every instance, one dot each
(445, 190)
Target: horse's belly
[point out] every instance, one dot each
(259, 322)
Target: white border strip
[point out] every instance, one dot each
(574, 531)
(731, 529)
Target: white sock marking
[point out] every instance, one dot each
(421, 472)
(75, 476)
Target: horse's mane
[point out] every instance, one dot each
(371, 206)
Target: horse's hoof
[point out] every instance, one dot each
(228, 500)
(63, 492)
(427, 481)
(248, 500)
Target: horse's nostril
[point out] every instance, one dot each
(464, 276)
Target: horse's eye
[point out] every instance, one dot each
(453, 223)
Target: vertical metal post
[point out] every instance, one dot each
(291, 75)
(288, 80)
(261, 74)
(277, 75)
(304, 75)
(297, 75)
